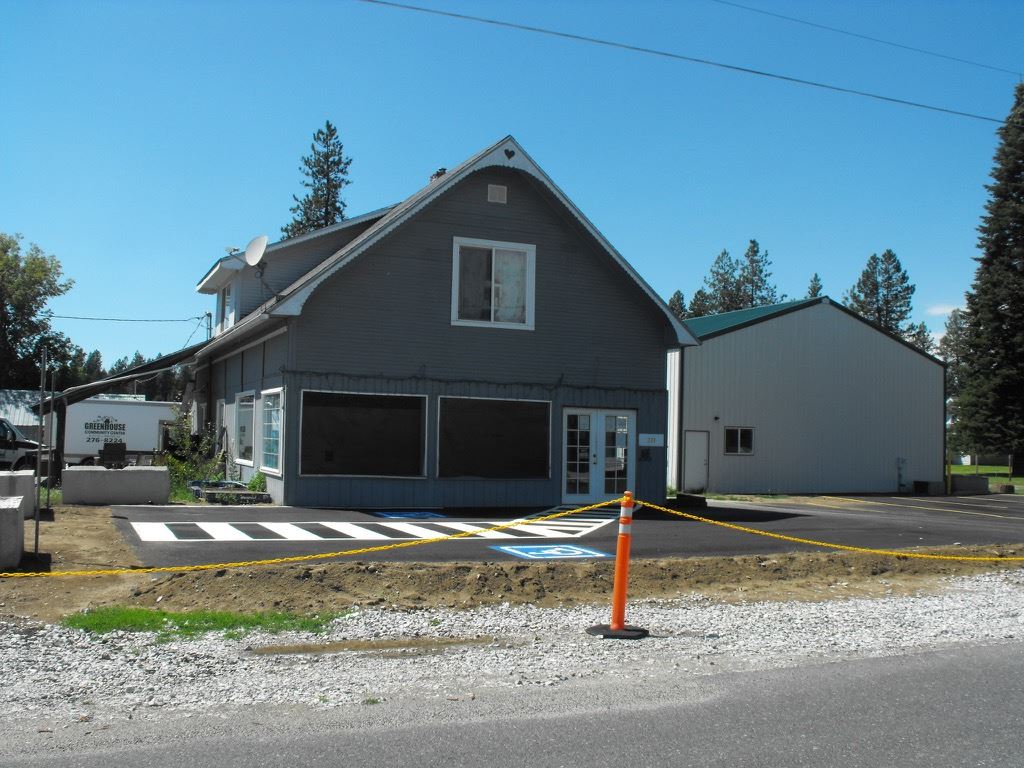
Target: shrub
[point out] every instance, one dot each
(258, 482)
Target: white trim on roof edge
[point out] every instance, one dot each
(506, 153)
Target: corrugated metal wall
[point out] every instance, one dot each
(834, 405)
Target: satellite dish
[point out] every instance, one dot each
(254, 250)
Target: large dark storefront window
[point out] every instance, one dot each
(494, 438)
(379, 435)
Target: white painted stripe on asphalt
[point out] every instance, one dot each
(224, 532)
(355, 531)
(292, 532)
(483, 533)
(154, 532)
(416, 531)
(542, 531)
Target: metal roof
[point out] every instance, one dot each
(710, 326)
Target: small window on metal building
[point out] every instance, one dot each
(739, 441)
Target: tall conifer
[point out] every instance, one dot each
(326, 172)
(991, 404)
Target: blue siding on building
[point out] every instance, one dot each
(383, 325)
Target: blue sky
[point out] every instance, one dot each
(141, 138)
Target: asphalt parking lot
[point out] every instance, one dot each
(185, 535)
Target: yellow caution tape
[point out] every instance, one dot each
(306, 558)
(829, 544)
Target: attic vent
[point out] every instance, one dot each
(496, 193)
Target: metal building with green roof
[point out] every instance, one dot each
(804, 397)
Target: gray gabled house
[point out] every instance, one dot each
(478, 344)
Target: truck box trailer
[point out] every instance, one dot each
(139, 424)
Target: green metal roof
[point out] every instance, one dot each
(713, 325)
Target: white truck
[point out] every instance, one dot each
(94, 422)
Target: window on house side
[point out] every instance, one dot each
(493, 284)
(271, 449)
(224, 311)
(368, 435)
(739, 440)
(494, 438)
(244, 427)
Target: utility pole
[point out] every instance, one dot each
(209, 325)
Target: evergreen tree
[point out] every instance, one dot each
(94, 366)
(814, 288)
(678, 305)
(755, 289)
(326, 172)
(953, 350)
(920, 337)
(882, 294)
(701, 304)
(992, 390)
(723, 284)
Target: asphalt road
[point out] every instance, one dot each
(192, 535)
(930, 710)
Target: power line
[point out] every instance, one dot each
(680, 57)
(130, 319)
(879, 40)
(200, 319)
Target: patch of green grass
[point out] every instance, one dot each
(995, 473)
(371, 700)
(170, 625)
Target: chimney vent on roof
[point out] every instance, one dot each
(438, 174)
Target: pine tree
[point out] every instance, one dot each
(677, 304)
(953, 350)
(754, 287)
(701, 304)
(920, 337)
(814, 288)
(326, 172)
(882, 294)
(992, 394)
(723, 284)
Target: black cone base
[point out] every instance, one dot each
(626, 633)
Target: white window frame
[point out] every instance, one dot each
(237, 459)
(739, 442)
(279, 471)
(437, 433)
(226, 308)
(531, 279)
(426, 423)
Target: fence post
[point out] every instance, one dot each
(618, 628)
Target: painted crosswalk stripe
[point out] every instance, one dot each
(224, 532)
(154, 532)
(355, 531)
(416, 531)
(292, 532)
(483, 533)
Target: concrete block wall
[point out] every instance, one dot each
(12, 530)
(970, 484)
(131, 485)
(20, 483)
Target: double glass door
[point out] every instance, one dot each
(598, 454)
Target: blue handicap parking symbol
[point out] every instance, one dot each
(549, 551)
(409, 514)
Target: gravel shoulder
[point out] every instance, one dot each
(64, 685)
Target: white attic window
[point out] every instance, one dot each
(497, 193)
